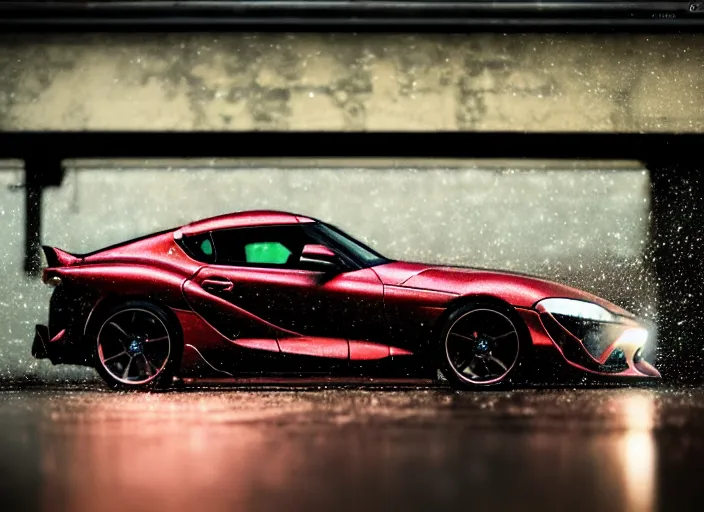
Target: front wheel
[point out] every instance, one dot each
(481, 346)
(136, 347)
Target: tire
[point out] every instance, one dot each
(482, 345)
(137, 347)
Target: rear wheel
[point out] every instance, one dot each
(481, 346)
(137, 347)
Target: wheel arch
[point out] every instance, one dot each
(480, 298)
(107, 302)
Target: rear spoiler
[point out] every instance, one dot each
(57, 258)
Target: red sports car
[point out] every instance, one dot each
(274, 293)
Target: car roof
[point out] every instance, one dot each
(243, 219)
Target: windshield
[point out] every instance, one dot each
(362, 254)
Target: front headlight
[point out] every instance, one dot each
(576, 309)
(596, 328)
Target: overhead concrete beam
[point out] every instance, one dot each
(538, 82)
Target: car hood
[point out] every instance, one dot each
(519, 290)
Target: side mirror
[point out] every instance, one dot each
(319, 257)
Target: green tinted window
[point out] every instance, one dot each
(206, 247)
(199, 247)
(273, 253)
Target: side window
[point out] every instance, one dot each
(273, 253)
(277, 246)
(200, 247)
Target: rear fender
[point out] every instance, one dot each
(120, 279)
(92, 321)
(107, 285)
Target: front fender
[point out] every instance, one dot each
(517, 290)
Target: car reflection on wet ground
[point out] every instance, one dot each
(84, 449)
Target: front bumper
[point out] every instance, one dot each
(618, 355)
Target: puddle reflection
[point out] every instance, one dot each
(249, 451)
(155, 451)
(638, 453)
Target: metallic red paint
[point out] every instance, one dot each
(58, 336)
(315, 346)
(396, 352)
(538, 334)
(196, 330)
(317, 250)
(193, 327)
(125, 280)
(293, 302)
(160, 252)
(206, 304)
(367, 351)
(266, 344)
(643, 367)
(515, 289)
(227, 314)
(397, 272)
(411, 314)
(208, 340)
(65, 258)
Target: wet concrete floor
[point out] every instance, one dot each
(85, 449)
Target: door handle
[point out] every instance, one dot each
(218, 284)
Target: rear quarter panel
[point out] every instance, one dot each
(151, 269)
(128, 280)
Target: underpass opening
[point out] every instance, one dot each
(584, 223)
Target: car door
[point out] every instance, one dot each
(271, 294)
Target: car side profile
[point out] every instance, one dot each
(262, 293)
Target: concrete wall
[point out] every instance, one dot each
(586, 228)
(344, 81)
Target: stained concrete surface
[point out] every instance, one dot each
(352, 449)
(534, 82)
